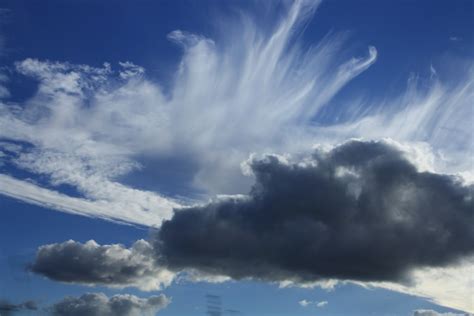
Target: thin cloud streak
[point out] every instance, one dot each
(34, 194)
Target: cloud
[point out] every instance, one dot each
(306, 303)
(362, 202)
(95, 304)
(109, 265)
(448, 286)
(252, 90)
(7, 308)
(430, 112)
(429, 312)
(361, 211)
(113, 266)
(322, 303)
(121, 209)
(91, 127)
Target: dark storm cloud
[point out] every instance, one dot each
(98, 304)
(7, 308)
(361, 212)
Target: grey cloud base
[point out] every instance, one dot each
(98, 304)
(109, 265)
(361, 211)
(7, 308)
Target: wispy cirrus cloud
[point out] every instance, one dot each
(255, 90)
(136, 207)
(89, 126)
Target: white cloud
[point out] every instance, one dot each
(322, 303)
(325, 284)
(88, 125)
(130, 70)
(451, 286)
(434, 113)
(429, 312)
(122, 209)
(306, 303)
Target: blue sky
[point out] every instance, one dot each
(112, 115)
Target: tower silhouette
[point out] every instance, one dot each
(214, 305)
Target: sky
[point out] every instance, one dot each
(236, 157)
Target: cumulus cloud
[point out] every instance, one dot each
(361, 211)
(109, 265)
(98, 304)
(114, 266)
(7, 308)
